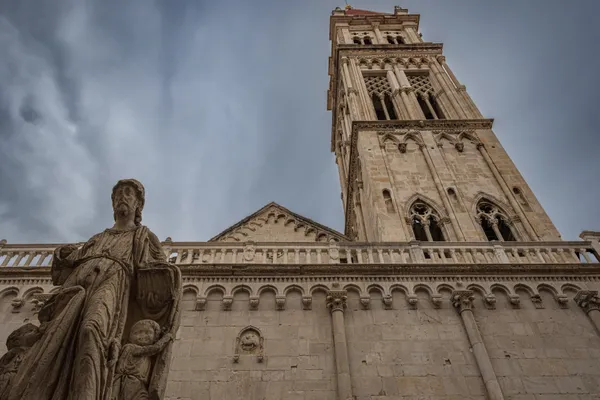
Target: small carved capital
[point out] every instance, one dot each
(345, 60)
(336, 300)
(588, 300)
(200, 304)
(444, 220)
(254, 301)
(480, 146)
(280, 303)
(365, 302)
(462, 300)
(227, 303)
(307, 302)
(387, 301)
(441, 59)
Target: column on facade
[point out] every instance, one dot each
(378, 35)
(463, 302)
(396, 98)
(507, 192)
(407, 94)
(351, 91)
(461, 90)
(588, 300)
(442, 192)
(368, 112)
(412, 34)
(346, 34)
(336, 302)
(448, 92)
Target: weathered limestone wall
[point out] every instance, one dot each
(406, 338)
(428, 157)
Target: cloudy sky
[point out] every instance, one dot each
(218, 107)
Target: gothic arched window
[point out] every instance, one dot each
(494, 222)
(425, 223)
(399, 40)
(356, 40)
(367, 40)
(390, 39)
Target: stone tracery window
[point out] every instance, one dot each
(494, 222)
(425, 223)
(425, 96)
(380, 91)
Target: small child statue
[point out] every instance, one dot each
(135, 361)
(17, 343)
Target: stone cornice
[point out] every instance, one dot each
(398, 19)
(394, 125)
(272, 270)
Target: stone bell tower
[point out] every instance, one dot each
(416, 158)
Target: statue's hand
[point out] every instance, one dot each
(113, 352)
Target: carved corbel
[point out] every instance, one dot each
(462, 300)
(563, 301)
(227, 303)
(436, 300)
(515, 300)
(39, 299)
(460, 146)
(402, 147)
(536, 299)
(387, 301)
(200, 303)
(17, 304)
(253, 303)
(280, 303)
(307, 302)
(413, 300)
(490, 301)
(365, 302)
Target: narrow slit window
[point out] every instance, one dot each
(387, 198)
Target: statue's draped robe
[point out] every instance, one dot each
(86, 317)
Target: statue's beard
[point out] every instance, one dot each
(123, 210)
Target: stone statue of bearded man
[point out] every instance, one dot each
(117, 278)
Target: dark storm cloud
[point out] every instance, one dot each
(219, 107)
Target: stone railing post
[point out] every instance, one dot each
(336, 302)
(463, 302)
(589, 301)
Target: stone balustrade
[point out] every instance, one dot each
(198, 253)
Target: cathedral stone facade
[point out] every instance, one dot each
(449, 282)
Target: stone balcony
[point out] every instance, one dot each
(230, 258)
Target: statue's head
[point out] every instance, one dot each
(144, 332)
(128, 196)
